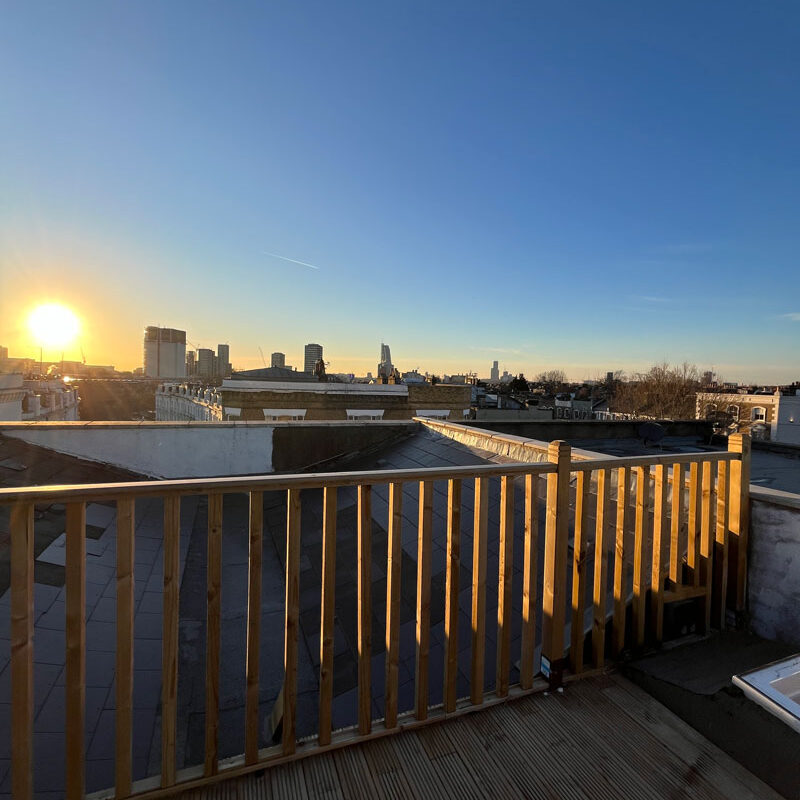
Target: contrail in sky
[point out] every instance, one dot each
(293, 260)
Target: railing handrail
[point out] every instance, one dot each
(612, 462)
(246, 483)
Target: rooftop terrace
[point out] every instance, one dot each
(427, 579)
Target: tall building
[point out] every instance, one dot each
(385, 367)
(495, 374)
(223, 361)
(278, 360)
(205, 362)
(191, 364)
(313, 353)
(164, 352)
(3, 353)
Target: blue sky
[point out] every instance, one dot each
(586, 186)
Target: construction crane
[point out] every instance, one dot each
(263, 360)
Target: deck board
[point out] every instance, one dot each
(603, 737)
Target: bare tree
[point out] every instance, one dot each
(663, 392)
(552, 380)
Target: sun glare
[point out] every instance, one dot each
(53, 325)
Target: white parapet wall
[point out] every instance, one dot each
(159, 449)
(774, 564)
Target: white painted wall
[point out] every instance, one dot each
(160, 450)
(786, 427)
(773, 576)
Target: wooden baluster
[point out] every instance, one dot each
(213, 613)
(123, 677)
(555, 562)
(451, 594)
(253, 626)
(657, 570)
(479, 548)
(75, 573)
(693, 523)
(393, 577)
(292, 625)
(425, 529)
(620, 562)
(579, 570)
(22, 614)
(506, 564)
(675, 549)
(364, 609)
(706, 549)
(169, 652)
(739, 520)
(327, 615)
(529, 578)
(600, 570)
(639, 584)
(720, 567)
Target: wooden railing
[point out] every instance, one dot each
(663, 549)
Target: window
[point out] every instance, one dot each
(759, 414)
(734, 412)
(711, 410)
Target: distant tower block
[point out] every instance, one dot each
(164, 352)
(278, 360)
(313, 352)
(495, 373)
(385, 367)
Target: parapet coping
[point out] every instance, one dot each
(146, 424)
(775, 497)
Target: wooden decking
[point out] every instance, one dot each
(602, 738)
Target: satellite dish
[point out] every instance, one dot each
(651, 432)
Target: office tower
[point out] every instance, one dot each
(191, 364)
(223, 361)
(164, 352)
(495, 374)
(385, 367)
(205, 362)
(278, 360)
(313, 353)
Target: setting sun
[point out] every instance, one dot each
(53, 325)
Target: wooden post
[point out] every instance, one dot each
(706, 548)
(555, 563)
(479, 548)
(720, 566)
(657, 567)
(529, 578)
(123, 677)
(693, 523)
(675, 549)
(393, 577)
(451, 594)
(326, 633)
(364, 609)
(292, 621)
(253, 626)
(620, 563)
(639, 583)
(424, 532)
(739, 522)
(600, 571)
(169, 654)
(506, 564)
(213, 615)
(579, 568)
(21, 525)
(76, 650)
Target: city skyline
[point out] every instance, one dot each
(572, 188)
